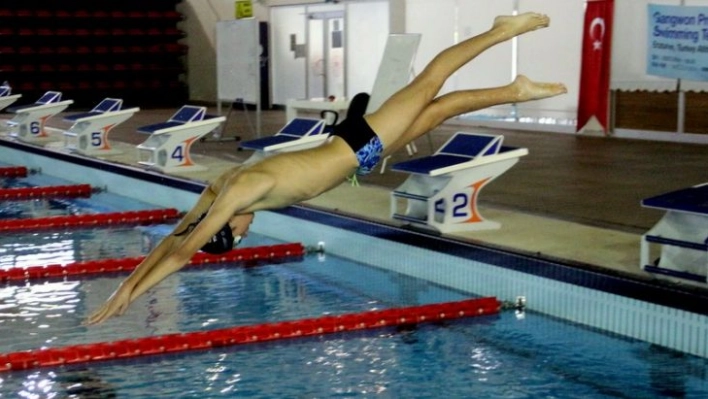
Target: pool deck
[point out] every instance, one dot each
(573, 199)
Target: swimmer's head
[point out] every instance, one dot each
(222, 241)
(228, 237)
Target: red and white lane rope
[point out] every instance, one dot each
(67, 191)
(91, 220)
(204, 340)
(269, 253)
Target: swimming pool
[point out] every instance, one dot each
(525, 354)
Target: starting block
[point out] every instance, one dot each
(441, 192)
(29, 121)
(6, 97)
(681, 235)
(168, 147)
(298, 134)
(89, 133)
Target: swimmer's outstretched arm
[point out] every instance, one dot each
(171, 242)
(234, 197)
(118, 302)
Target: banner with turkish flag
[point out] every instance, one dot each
(593, 104)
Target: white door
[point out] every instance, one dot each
(325, 54)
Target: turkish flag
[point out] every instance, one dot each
(595, 67)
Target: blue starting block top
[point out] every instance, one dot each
(186, 114)
(427, 164)
(460, 148)
(107, 105)
(294, 130)
(49, 97)
(472, 145)
(263, 142)
(693, 199)
(302, 127)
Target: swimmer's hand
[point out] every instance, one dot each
(115, 305)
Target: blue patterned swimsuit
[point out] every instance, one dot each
(363, 141)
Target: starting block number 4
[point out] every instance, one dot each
(180, 154)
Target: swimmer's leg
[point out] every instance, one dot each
(520, 90)
(395, 116)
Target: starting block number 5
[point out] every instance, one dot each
(99, 139)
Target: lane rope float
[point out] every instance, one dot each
(13, 171)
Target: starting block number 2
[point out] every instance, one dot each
(463, 205)
(460, 203)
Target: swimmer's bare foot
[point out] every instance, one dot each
(514, 25)
(528, 90)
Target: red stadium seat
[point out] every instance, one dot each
(24, 13)
(82, 14)
(62, 14)
(44, 14)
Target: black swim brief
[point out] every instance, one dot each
(363, 141)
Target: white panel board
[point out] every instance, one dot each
(238, 60)
(395, 68)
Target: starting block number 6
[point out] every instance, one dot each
(35, 128)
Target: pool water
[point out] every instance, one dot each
(66, 246)
(512, 355)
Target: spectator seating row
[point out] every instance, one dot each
(140, 50)
(44, 33)
(14, 14)
(93, 45)
(99, 85)
(133, 67)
